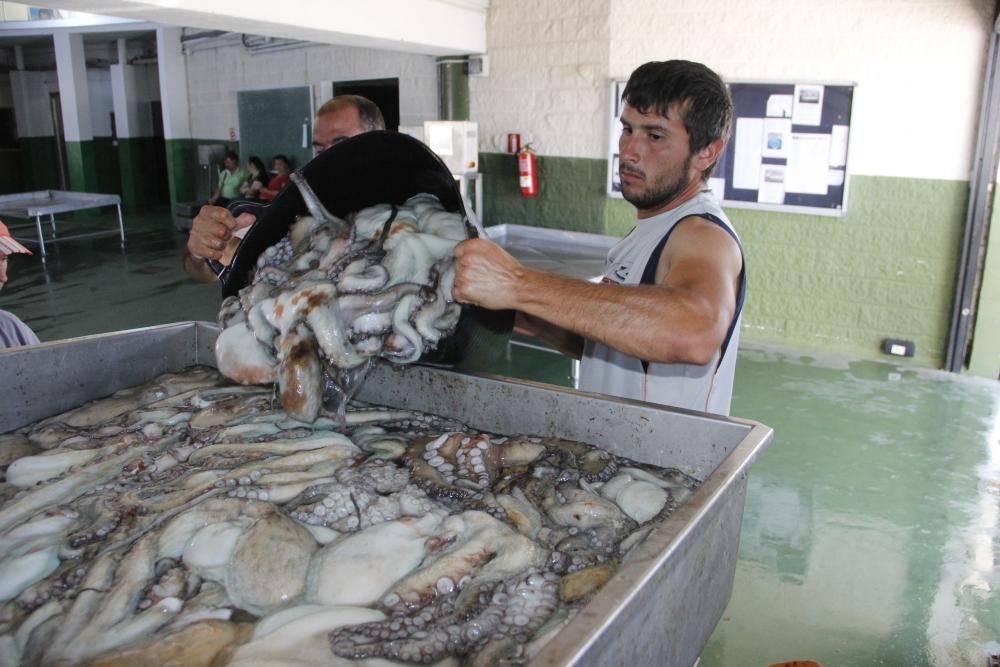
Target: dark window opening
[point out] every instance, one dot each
(383, 92)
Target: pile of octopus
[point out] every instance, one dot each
(196, 520)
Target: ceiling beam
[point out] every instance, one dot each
(433, 27)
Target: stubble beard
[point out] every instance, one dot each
(661, 193)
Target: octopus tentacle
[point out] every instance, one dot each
(513, 608)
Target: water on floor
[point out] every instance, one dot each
(870, 535)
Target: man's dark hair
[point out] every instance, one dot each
(283, 158)
(231, 155)
(698, 92)
(368, 111)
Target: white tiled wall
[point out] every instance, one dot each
(548, 60)
(215, 76)
(918, 64)
(99, 88)
(31, 102)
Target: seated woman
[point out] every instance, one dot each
(282, 173)
(256, 181)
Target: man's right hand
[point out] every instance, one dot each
(213, 237)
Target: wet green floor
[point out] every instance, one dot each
(870, 534)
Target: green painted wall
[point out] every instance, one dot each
(11, 172)
(571, 194)
(181, 164)
(143, 170)
(81, 165)
(985, 358)
(886, 269)
(39, 163)
(108, 177)
(183, 167)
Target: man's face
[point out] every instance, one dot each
(229, 163)
(334, 126)
(654, 158)
(3, 270)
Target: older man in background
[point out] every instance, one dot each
(13, 332)
(214, 231)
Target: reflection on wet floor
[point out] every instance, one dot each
(870, 535)
(95, 285)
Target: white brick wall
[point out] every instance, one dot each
(918, 65)
(101, 103)
(548, 59)
(31, 102)
(216, 75)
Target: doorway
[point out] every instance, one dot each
(161, 181)
(57, 125)
(383, 92)
(276, 121)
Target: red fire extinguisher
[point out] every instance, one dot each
(527, 171)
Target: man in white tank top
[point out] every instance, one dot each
(663, 326)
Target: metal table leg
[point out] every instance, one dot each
(41, 237)
(52, 223)
(121, 225)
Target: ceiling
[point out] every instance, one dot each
(432, 27)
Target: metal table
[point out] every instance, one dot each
(574, 254)
(49, 202)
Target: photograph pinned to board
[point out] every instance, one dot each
(772, 184)
(777, 138)
(807, 107)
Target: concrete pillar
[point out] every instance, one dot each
(126, 100)
(181, 166)
(74, 97)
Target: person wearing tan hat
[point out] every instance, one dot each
(13, 331)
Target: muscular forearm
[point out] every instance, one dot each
(655, 323)
(561, 339)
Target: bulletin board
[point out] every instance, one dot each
(788, 150)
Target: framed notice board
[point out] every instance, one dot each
(788, 150)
